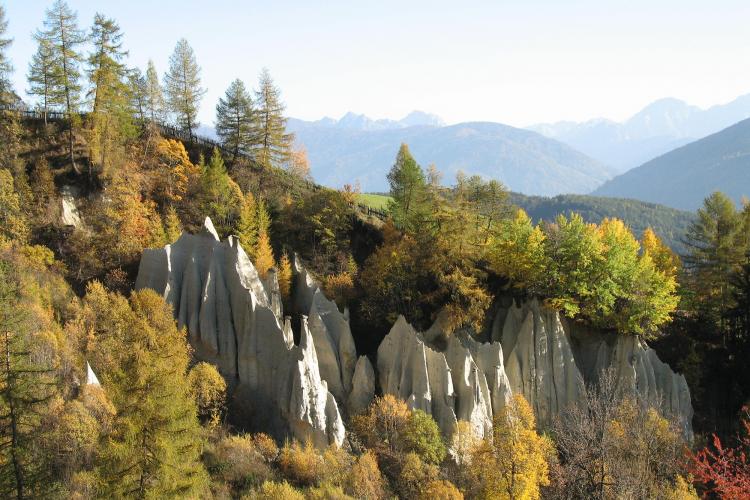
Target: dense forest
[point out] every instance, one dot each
(97, 173)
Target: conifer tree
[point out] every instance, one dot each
(236, 123)
(274, 143)
(106, 70)
(154, 448)
(137, 90)
(715, 252)
(25, 386)
(247, 227)
(109, 92)
(62, 33)
(264, 260)
(182, 86)
(218, 194)
(12, 221)
(6, 68)
(408, 190)
(285, 277)
(41, 77)
(154, 94)
(172, 225)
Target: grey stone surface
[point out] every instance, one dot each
(234, 321)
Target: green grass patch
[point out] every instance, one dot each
(376, 201)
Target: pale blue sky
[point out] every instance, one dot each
(517, 62)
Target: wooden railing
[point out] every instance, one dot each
(173, 132)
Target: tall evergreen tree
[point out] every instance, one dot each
(182, 85)
(6, 68)
(138, 90)
(25, 386)
(109, 94)
(62, 33)
(273, 143)
(715, 252)
(408, 190)
(106, 70)
(154, 447)
(41, 77)
(236, 122)
(154, 94)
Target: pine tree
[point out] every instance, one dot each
(182, 85)
(106, 69)
(25, 386)
(274, 143)
(111, 111)
(218, 195)
(154, 448)
(408, 190)
(154, 95)
(715, 251)
(247, 228)
(264, 260)
(6, 68)
(62, 33)
(285, 277)
(13, 225)
(172, 225)
(236, 120)
(137, 90)
(41, 77)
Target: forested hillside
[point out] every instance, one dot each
(684, 177)
(525, 161)
(670, 224)
(106, 390)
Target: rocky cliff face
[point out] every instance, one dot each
(236, 321)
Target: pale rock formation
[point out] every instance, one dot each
(233, 321)
(363, 386)
(70, 214)
(91, 378)
(473, 402)
(539, 361)
(412, 371)
(638, 368)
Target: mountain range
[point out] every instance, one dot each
(684, 177)
(356, 148)
(660, 127)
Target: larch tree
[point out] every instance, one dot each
(715, 252)
(64, 37)
(236, 120)
(25, 387)
(408, 190)
(138, 95)
(182, 86)
(154, 448)
(247, 226)
(154, 94)
(6, 68)
(274, 143)
(41, 77)
(109, 93)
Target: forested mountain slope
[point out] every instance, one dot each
(684, 177)
(525, 161)
(669, 223)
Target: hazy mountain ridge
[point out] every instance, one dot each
(684, 177)
(660, 127)
(355, 121)
(524, 160)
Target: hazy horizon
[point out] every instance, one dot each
(539, 62)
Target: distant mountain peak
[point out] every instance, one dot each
(359, 121)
